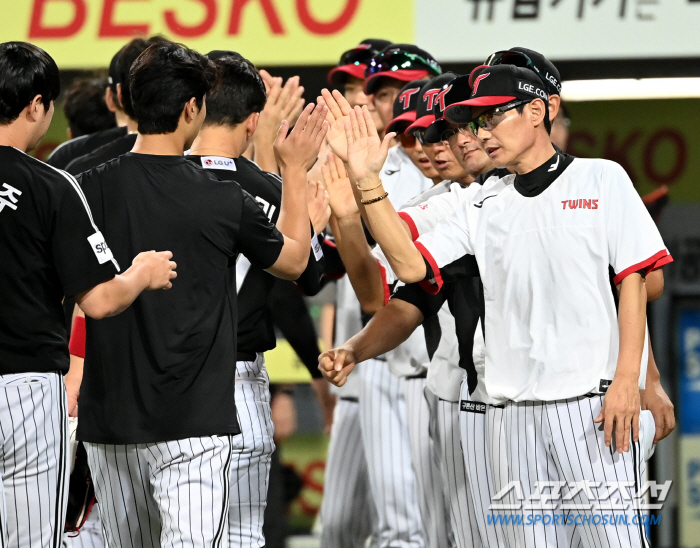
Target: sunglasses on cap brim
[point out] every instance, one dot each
(518, 59)
(399, 60)
(357, 56)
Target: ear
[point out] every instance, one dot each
(538, 110)
(109, 100)
(35, 109)
(191, 109)
(119, 96)
(252, 123)
(554, 104)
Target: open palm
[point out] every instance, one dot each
(337, 184)
(338, 111)
(366, 151)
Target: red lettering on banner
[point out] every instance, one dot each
(678, 142)
(331, 27)
(108, 28)
(37, 29)
(199, 29)
(619, 152)
(234, 25)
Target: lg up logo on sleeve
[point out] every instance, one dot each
(9, 197)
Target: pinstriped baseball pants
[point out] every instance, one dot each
(171, 493)
(34, 463)
(252, 453)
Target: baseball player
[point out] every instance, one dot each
(157, 415)
(51, 248)
(393, 485)
(232, 112)
(578, 368)
(348, 516)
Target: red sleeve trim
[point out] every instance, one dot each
(432, 288)
(76, 346)
(661, 262)
(411, 225)
(329, 242)
(385, 285)
(648, 265)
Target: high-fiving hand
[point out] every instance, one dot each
(366, 151)
(337, 183)
(299, 148)
(338, 112)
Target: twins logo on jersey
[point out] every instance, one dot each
(8, 197)
(580, 204)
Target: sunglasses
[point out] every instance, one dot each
(399, 60)
(487, 119)
(419, 134)
(407, 141)
(357, 56)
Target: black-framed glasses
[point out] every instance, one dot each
(401, 60)
(487, 119)
(449, 136)
(357, 56)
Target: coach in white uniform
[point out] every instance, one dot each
(556, 354)
(50, 248)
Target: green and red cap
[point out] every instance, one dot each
(404, 62)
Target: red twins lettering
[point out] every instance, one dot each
(580, 204)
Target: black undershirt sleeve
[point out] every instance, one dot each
(258, 239)
(310, 280)
(292, 318)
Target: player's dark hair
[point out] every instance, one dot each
(239, 92)
(85, 107)
(163, 79)
(25, 72)
(547, 122)
(120, 66)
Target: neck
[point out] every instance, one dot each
(15, 135)
(534, 156)
(229, 142)
(467, 179)
(437, 180)
(164, 144)
(122, 118)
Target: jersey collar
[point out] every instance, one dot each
(539, 179)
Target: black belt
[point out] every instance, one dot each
(246, 357)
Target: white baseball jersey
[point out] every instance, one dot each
(551, 324)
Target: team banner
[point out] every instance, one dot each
(87, 33)
(469, 30)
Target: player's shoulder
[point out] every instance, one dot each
(436, 190)
(40, 172)
(270, 180)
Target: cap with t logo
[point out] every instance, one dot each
(405, 106)
(497, 85)
(430, 99)
(456, 91)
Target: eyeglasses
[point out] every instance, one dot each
(400, 60)
(407, 141)
(487, 119)
(449, 136)
(419, 134)
(357, 56)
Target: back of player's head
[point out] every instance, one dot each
(121, 64)
(239, 92)
(25, 72)
(85, 107)
(163, 79)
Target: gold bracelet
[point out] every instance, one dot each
(374, 200)
(368, 189)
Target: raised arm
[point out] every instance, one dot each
(149, 270)
(366, 156)
(389, 327)
(296, 153)
(360, 265)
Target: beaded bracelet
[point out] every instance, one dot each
(374, 200)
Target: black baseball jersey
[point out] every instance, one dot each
(66, 152)
(164, 369)
(103, 154)
(464, 295)
(50, 248)
(255, 327)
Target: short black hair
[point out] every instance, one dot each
(121, 64)
(25, 72)
(163, 79)
(239, 92)
(85, 107)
